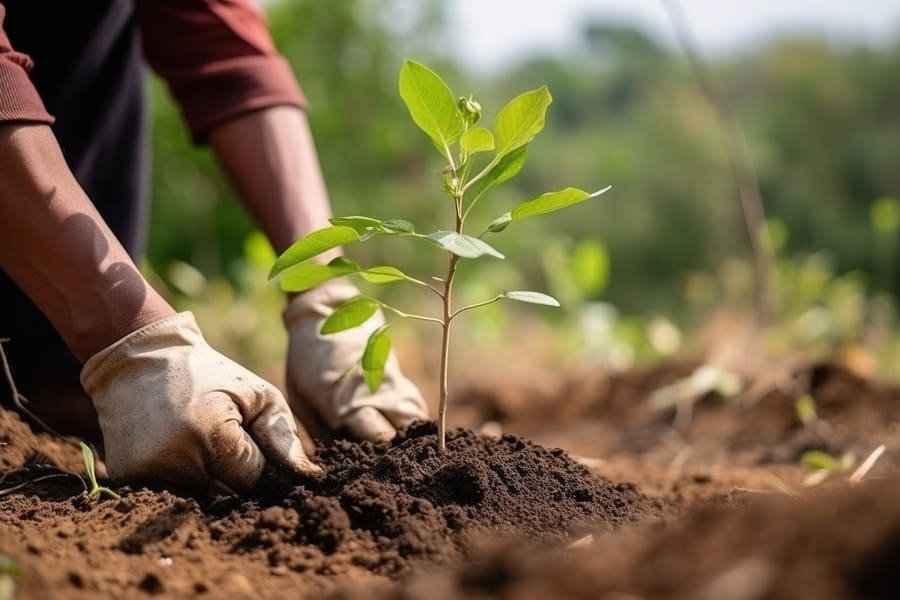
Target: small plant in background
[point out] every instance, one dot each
(823, 465)
(499, 153)
(805, 408)
(89, 465)
(10, 572)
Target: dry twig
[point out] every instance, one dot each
(18, 399)
(867, 465)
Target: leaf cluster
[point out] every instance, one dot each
(478, 159)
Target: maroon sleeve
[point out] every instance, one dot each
(19, 101)
(217, 58)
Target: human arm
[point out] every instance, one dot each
(170, 407)
(236, 93)
(58, 249)
(271, 159)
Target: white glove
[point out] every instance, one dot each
(173, 409)
(323, 375)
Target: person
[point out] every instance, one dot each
(73, 175)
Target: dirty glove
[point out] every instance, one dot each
(173, 409)
(324, 380)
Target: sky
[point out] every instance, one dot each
(494, 33)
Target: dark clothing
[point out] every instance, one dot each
(216, 55)
(91, 78)
(86, 70)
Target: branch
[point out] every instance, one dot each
(742, 170)
(476, 305)
(18, 399)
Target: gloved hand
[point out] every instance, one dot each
(173, 409)
(324, 380)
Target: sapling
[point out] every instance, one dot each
(477, 159)
(89, 465)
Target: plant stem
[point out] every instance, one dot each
(405, 315)
(445, 341)
(476, 305)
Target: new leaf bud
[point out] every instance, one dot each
(500, 223)
(470, 109)
(451, 181)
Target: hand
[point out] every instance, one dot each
(323, 375)
(173, 409)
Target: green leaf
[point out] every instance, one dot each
(822, 461)
(589, 266)
(96, 490)
(88, 456)
(552, 201)
(9, 567)
(374, 358)
(305, 277)
(431, 105)
(500, 223)
(398, 226)
(805, 407)
(521, 119)
(505, 169)
(462, 245)
(312, 245)
(531, 298)
(367, 226)
(352, 313)
(382, 274)
(477, 139)
(884, 214)
(258, 250)
(359, 223)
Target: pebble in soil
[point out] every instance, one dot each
(383, 506)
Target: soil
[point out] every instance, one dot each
(704, 502)
(379, 510)
(841, 545)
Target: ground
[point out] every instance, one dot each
(707, 501)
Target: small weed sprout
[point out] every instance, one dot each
(823, 465)
(477, 159)
(805, 407)
(10, 573)
(96, 489)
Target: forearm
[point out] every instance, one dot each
(271, 159)
(58, 249)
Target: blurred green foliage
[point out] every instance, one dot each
(655, 255)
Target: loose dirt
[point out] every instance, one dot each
(716, 508)
(835, 546)
(378, 511)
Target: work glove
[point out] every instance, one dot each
(325, 383)
(173, 409)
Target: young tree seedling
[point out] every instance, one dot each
(477, 159)
(89, 465)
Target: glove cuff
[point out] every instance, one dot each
(319, 301)
(178, 330)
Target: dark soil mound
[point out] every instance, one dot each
(379, 510)
(388, 504)
(843, 544)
